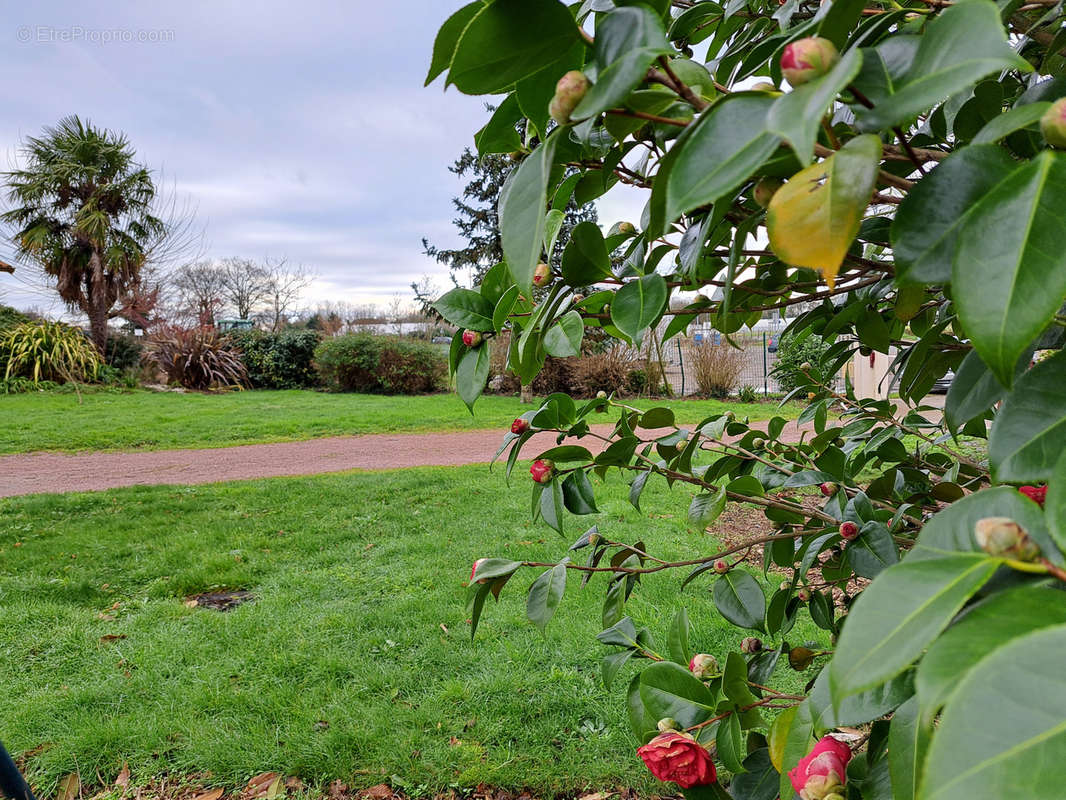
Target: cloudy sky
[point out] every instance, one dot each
(297, 130)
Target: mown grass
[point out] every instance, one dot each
(155, 421)
(355, 660)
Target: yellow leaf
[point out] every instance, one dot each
(779, 735)
(813, 219)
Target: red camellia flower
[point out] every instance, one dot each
(520, 426)
(821, 771)
(674, 756)
(542, 470)
(471, 338)
(1038, 494)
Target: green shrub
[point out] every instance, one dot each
(748, 394)
(794, 351)
(365, 362)
(9, 317)
(123, 352)
(47, 351)
(282, 360)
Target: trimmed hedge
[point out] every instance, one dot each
(282, 360)
(365, 362)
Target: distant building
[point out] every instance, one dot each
(234, 324)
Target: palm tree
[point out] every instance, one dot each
(82, 208)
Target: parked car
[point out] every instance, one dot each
(942, 385)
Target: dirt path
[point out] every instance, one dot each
(85, 472)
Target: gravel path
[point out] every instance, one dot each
(85, 472)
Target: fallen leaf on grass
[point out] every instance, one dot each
(112, 637)
(122, 781)
(379, 792)
(214, 794)
(265, 785)
(69, 787)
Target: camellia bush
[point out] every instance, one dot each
(892, 166)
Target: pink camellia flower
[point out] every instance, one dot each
(471, 338)
(520, 425)
(542, 470)
(677, 757)
(822, 771)
(473, 569)
(1038, 494)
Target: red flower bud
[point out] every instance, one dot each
(721, 566)
(542, 274)
(849, 530)
(806, 59)
(471, 338)
(520, 426)
(473, 569)
(673, 756)
(823, 771)
(703, 666)
(1005, 538)
(828, 489)
(569, 91)
(1038, 494)
(543, 470)
(1053, 124)
(804, 595)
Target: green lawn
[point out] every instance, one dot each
(355, 660)
(156, 421)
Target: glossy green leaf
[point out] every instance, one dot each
(724, 148)
(859, 708)
(1017, 118)
(466, 309)
(986, 626)
(585, 258)
(612, 664)
(638, 305)
(814, 218)
(908, 743)
(578, 494)
(1009, 273)
(677, 640)
(898, 615)
(973, 391)
(448, 37)
(739, 599)
(523, 201)
(545, 595)
(563, 339)
(670, 690)
(472, 373)
(960, 45)
(550, 504)
(500, 134)
(730, 744)
(873, 550)
(927, 224)
(508, 40)
(797, 115)
(1055, 504)
(1021, 755)
(1029, 433)
(705, 508)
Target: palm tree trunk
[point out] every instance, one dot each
(98, 305)
(526, 395)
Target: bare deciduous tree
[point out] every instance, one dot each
(282, 289)
(200, 291)
(245, 284)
